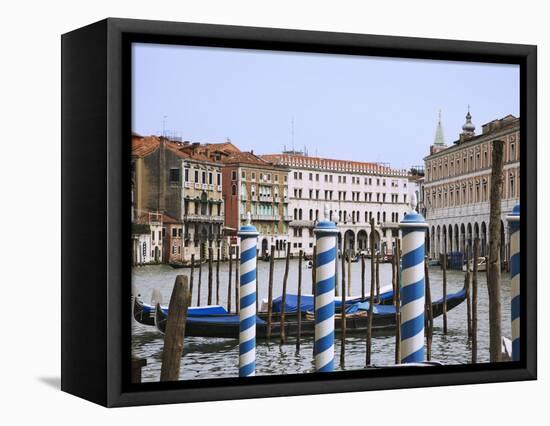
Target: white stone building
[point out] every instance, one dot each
(354, 192)
(457, 186)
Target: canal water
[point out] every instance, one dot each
(206, 358)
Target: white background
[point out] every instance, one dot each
(30, 209)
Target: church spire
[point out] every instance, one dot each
(439, 138)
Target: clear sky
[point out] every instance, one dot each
(346, 107)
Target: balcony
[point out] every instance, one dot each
(277, 199)
(197, 185)
(219, 188)
(263, 217)
(254, 198)
(244, 197)
(205, 186)
(203, 218)
(287, 218)
(266, 199)
(187, 185)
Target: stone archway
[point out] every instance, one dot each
(362, 240)
(349, 241)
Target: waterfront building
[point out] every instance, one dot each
(252, 184)
(147, 239)
(177, 180)
(173, 241)
(457, 185)
(354, 192)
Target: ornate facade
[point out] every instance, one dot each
(457, 185)
(352, 192)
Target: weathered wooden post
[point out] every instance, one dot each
(229, 279)
(363, 295)
(299, 325)
(413, 229)
(247, 305)
(493, 284)
(137, 365)
(283, 298)
(443, 260)
(200, 281)
(474, 300)
(514, 229)
(429, 321)
(218, 277)
(210, 255)
(343, 310)
(325, 236)
(398, 301)
(378, 276)
(237, 304)
(371, 295)
(257, 289)
(349, 272)
(175, 330)
(191, 277)
(270, 293)
(467, 284)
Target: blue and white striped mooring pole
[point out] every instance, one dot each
(325, 235)
(247, 306)
(413, 229)
(513, 226)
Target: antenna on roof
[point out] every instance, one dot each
(292, 131)
(164, 117)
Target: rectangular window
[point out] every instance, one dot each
(219, 178)
(196, 176)
(210, 178)
(186, 175)
(233, 175)
(174, 232)
(174, 176)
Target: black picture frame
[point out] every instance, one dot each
(96, 210)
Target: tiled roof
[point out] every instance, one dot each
(306, 162)
(142, 146)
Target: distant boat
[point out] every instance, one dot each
(178, 265)
(481, 265)
(433, 262)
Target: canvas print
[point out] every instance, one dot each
(302, 213)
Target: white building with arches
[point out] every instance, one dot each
(457, 186)
(353, 192)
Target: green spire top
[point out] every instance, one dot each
(439, 138)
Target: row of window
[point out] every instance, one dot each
(314, 194)
(345, 217)
(200, 176)
(356, 180)
(470, 194)
(262, 176)
(465, 162)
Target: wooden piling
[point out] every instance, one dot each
(199, 284)
(467, 281)
(493, 284)
(299, 325)
(313, 261)
(283, 298)
(270, 292)
(349, 273)
(398, 304)
(363, 293)
(429, 320)
(257, 281)
(443, 260)
(229, 280)
(378, 276)
(368, 359)
(137, 365)
(210, 277)
(237, 266)
(191, 277)
(218, 277)
(175, 330)
(343, 310)
(474, 300)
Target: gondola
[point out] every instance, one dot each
(145, 313)
(227, 325)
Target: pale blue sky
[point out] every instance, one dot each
(346, 107)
